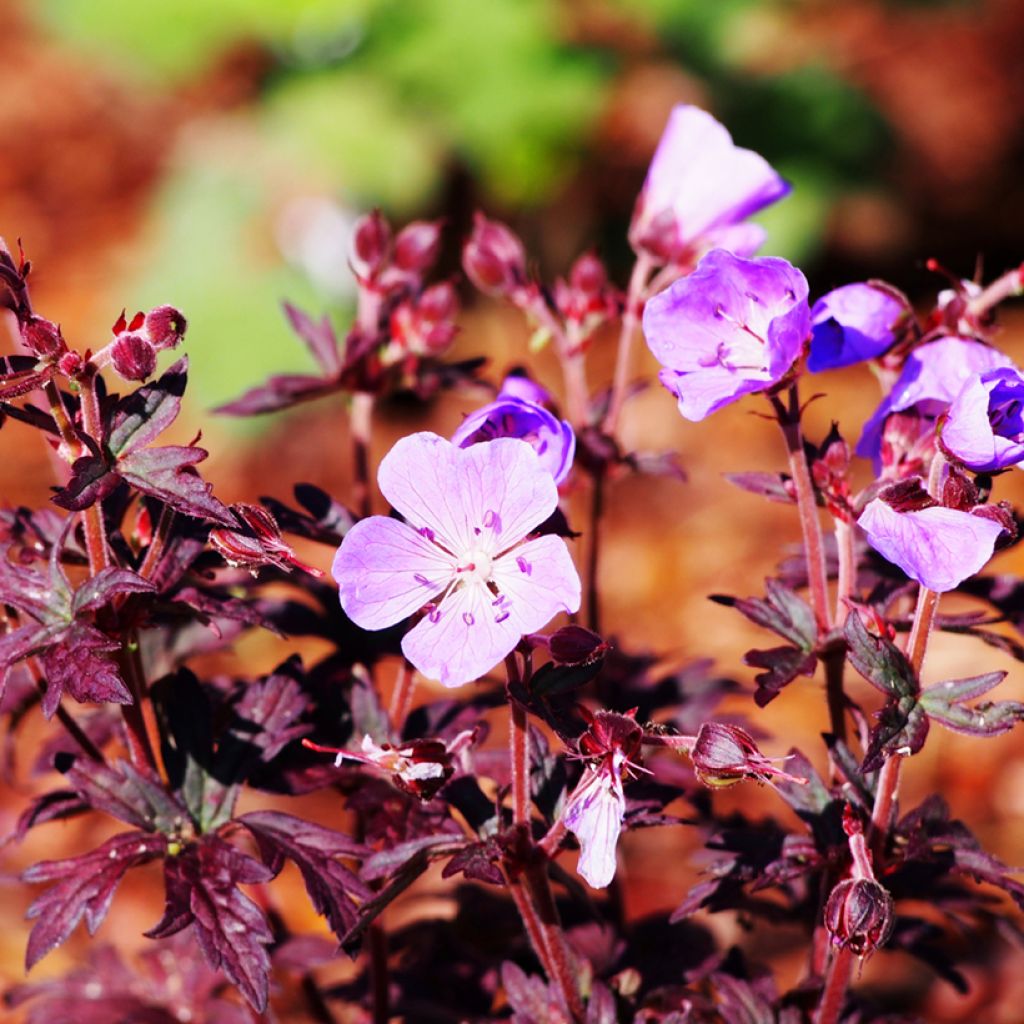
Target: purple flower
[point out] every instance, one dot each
(984, 428)
(462, 554)
(854, 323)
(511, 416)
(732, 327)
(932, 377)
(699, 189)
(939, 547)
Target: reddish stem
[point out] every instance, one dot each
(635, 292)
(360, 420)
(596, 512)
(834, 994)
(71, 447)
(1006, 287)
(95, 528)
(401, 698)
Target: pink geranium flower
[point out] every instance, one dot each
(464, 554)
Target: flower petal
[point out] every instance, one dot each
(462, 639)
(594, 815)
(386, 570)
(488, 494)
(536, 581)
(939, 547)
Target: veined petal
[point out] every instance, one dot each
(463, 638)
(594, 815)
(386, 570)
(488, 495)
(939, 547)
(536, 581)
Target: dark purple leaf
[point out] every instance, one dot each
(279, 392)
(773, 486)
(478, 861)
(320, 338)
(335, 891)
(943, 703)
(901, 730)
(84, 887)
(325, 520)
(783, 665)
(879, 660)
(77, 664)
(91, 480)
(169, 474)
(124, 792)
(54, 806)
(657, 464)
(101, 589)
(782, 611)
(551, 679)
(202, 890)
(31, 415)
(143, 415)
(954, 691)
(532, 1000)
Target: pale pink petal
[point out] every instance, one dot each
(386, 570)
(536, 580)
(594, 815)
(463, 638)
(488, 495)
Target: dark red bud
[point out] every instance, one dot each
(609, 731)
(494, 258)
(588, 275)
(438, 302)
(371, 244)
(165, 326)
(726, 754)
(959, 490)
(574, 645)
(70, 364)
(907, 496)
(133, 356)
(1002, 513)
(859, 915)
(417, 245)
(42, 337)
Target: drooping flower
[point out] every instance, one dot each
(939, 547)
(984, 427)
(463, 554)
(699, 190)
(512, 416)
(931, 378)
(725, 754)
(594, 811)
(730, 328)
(854, 323)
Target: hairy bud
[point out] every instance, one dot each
(859, 915)
(165, 327)
(133, 356)
(417, 245)
(494, 258)
(371, 244)
(42, 337)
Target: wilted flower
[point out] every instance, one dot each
(257, 542)
(939, 547)
(730, 328)
(699, 189)
(854, 323)
(859, 915)
(462, 553)
(594, 811)
(723, 755)
(931, 378)
(984, 427)
(510, 416)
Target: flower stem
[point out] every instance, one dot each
(158, 543)
(635, 292)
(95, 528)
(401, 697)
(1006, 287)
(360, 420)
(593, 558)
(70, 447)
(519, 760)
(140, 749)
(810, 525)
(834, 994)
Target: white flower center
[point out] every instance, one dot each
(475, 566)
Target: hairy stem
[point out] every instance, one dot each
(95, 528)
(401, 697)
(519, 763)
(70, 447)
(1006, 287)
(360, 420)
(810, 525)
(834, 994)
(635, 292)
(156, 546)
(597, 482)
(140, 749)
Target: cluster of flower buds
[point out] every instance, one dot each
(587, 300)
(859, 911)
(830, 470)
(134, 350)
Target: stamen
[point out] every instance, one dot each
(468, 618)
(421, 579)
(524, 565)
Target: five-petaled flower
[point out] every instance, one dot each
(731, 328)
(984, 428)
(700, 188)
(463, 554)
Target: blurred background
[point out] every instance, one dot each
(216, 155)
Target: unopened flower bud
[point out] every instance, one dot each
(70, 364)
(588, 275)
(42, 337)
(417, 245)
(165, 326)
(723, 755)
(859, 915)
(494, 258)
(574, 645)
(133, 356)
(438, 302)
(371, 244)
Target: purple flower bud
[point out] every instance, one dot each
(371, 244)
(699, 189)
(984, 428)
(165, 327)
(42, 337)
(939, 547)
(588, 275)
(417, 246)
(551, 438)
(931, 378)
(494, 258)
(519, 385)
(854, 323)
(423, 326)
(730, 328)
(723, 755)
(574, 645)
(859, 915)
(133, 356)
